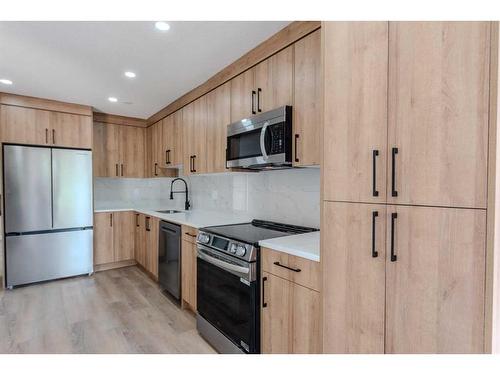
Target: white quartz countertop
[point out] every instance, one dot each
(302, 245)
(192, 218)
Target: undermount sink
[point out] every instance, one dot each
(169, 211)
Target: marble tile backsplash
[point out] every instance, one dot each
(289, 196)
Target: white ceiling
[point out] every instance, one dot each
(84, 62)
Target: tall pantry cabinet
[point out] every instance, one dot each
(405, 186)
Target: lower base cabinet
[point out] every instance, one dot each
(113, 237)
(146, 243)
(403, 279)
(188, 267)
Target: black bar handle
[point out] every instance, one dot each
(374, 251)
(375, 191)
(194, 166)
(259, 90)
(191, 163)
(288, 268)
(148, 228)
(394, 152)
(136, 220)
(110, 220)
(116, 170)
(296, 140)
(121, 165)
(394, 216)
(253, 102)
(168, 157)
(264, 303)
(156, 167)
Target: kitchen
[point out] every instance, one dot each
(196, 228)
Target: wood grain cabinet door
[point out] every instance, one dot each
(132, 151)
(276, 314)
(70, 130)
(106, 150)
(243, 103)
(123, 235)
(103, 238)
(435, 283)
(152, 243)
(274, 81)
(24, 125)
(199, 135)
(140, 239)
(306, 314)
(438, 113)
(188, 273)
(168, 141)
(307, 104)
(188, 133)
(176, 153)
(353, 259)
(355, 111)
(218, 118)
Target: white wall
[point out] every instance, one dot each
(288, 196)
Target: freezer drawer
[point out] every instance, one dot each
(28, 201)
(72, 188)
(39, 257)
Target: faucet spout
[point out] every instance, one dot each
(187, 204)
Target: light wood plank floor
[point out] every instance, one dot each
(116, 311)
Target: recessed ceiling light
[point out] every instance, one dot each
(112, 99)
(130, 74)
(162, 25)
(6, 81)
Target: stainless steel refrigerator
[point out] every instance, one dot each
(48, 213)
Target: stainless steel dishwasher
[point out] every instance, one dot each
(169, 259)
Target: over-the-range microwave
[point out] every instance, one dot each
(263, 141)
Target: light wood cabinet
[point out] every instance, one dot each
(118, 151)
(152, 227)
(290, 317)
(355, 112)
(435, 287)
(41, 127)
(172, 139)
(308, 99)
(114, 237)
(194, 118)
(266, 86)
(69, 130)
(140, 239)
(218, 117)
(438, 112)
(188, 274)
(411, 295)
(354, 277)
(157, 152)
(103, 238)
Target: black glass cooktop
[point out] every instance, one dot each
(256, 231)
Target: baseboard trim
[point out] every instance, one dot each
(110, 266)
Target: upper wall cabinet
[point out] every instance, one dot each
(194, 119)
(118, 150)
(172, 140)
(307, 100)
(428, 125)
(218, 117)
(40, 127)
(264, 87)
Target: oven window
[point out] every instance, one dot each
(227, 303)
(244, 145)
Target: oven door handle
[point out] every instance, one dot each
(232, 268)
(263, 140)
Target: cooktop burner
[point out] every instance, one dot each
(256, 231)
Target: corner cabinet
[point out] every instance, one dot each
(113, 237)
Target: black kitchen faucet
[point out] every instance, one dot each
(186, 203)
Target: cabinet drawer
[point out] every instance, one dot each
(189, 233)
(296, 269)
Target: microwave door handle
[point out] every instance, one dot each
(262, 141)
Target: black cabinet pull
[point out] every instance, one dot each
(194, 167)
(148, 229)
(191, 163)
(53, 136)
(116, 170)
(259, 90)
(253, 102)
(110, 220)
(156, 168)
(168, 156)
(375, 191)
(136, 220)
(122, 169)
(394, 216)
(374, 252)
(264, 303)
(394, 152)
(288, 268)
(46, 135)
(296, 140)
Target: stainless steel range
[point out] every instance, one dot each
(228, 283)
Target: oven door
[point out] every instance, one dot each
(227, 298)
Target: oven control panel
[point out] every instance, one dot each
(240, 250)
